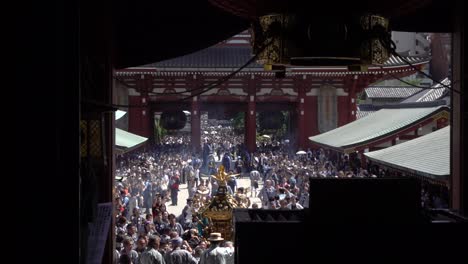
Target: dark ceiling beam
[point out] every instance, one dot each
(150, 31)
(405, 15)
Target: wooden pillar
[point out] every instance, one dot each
(308, 104)
(195, 126)
(146, 86)
(300, 109)
(363, 160)
(344, 110)
(301, 141)
(458, 183)
(96, 166)
(310, 116)
(134, 115)
(139, 118)
(140, 115)
(251, 124)
(146, 117)
(251, 117)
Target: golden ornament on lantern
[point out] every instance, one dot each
(282, 40)
(373, 51)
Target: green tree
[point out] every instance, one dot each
(238, 123)
(159, 131)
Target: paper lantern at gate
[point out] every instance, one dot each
(173, 120)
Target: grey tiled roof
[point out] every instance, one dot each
(365, 110)
(428, 155)
(391, 91)
(436, 92)
(212, 57)
(380, 124)
(396, 61)
(219, 56)
(127, 140)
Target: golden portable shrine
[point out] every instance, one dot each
(218, 209)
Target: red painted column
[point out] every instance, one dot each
(146, 117)
(300, 109)
(146, 126)
(251, 117)
(134, 115)
(344, 110)
(139, 119)
(301, 140)
(251, 124)
(310, 117)
(307, 123)
(195, 126)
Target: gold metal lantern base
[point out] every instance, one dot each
(308, 40)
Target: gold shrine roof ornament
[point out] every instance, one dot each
(282, 40)
(222, 177)
(221, 205)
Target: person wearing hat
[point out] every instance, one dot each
(216, 254)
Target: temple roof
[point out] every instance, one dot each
(213, 57)
(126, 141)
(391, 91)
(222, 56)
(382, 124)
(428, 95)
(428, 155)
(366, 109)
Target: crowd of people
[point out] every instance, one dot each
(147, 233)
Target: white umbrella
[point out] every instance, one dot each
(206, 132)
(301, 152)
(213, 132)
(266, 136)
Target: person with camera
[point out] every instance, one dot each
(267, 194)
(254, 179)
(180, 253)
